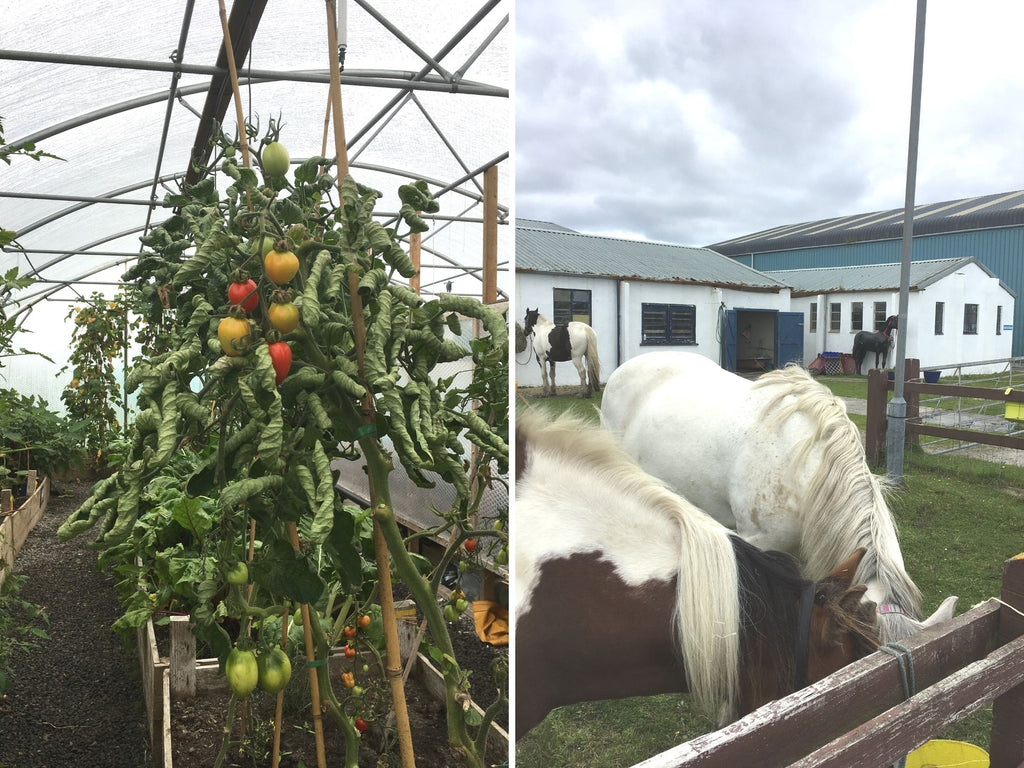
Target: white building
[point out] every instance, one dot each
(641, 296)
(958, 311)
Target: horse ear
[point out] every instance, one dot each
(846, 569)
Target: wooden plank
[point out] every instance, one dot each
(792, 727)
(6, 501)
(165, 755)
(182, 659)
(896, 732)
(986, 438)
(874, 431)
(1007, 743)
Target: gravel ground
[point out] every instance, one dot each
(76, 698)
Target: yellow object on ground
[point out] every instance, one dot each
(940, 753)
(491, 622)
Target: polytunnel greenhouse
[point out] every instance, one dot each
(254, 376)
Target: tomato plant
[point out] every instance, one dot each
(228, 457)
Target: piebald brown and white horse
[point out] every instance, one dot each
(574, 341)
(623, 588)
(777, 459)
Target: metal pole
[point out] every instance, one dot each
(897, 413)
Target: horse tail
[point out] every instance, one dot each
(708, 611)
(593, 362)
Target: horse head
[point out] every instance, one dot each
(531, 320)
(844, 626)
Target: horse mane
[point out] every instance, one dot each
(707, 613)
(844, 503)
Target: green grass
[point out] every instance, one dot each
(959, 520)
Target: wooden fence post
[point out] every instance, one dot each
(1007, 744)
(30, 483)
(182, 659)
(874, 432)
(6, 501)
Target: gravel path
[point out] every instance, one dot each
(76, 699)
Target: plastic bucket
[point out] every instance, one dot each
(932, 377)
(942, 753)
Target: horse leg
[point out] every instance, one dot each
(543, 363)
(554, 388)
(584, 392)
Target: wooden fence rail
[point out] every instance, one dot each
(859, 715)
(878, 387)
(16, 524)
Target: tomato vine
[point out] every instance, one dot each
(245, 448)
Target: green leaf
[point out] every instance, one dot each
(285, 572)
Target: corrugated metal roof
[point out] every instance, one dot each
(568, 252)
(537, 224)
(1005, 209)
(871, 277)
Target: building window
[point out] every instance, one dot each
(571, 304)
(668, 324)
(835, 317)
(999, 320)
(814, 317)
(940, 308)
(881, 315)
(970, 319)
(857, 316)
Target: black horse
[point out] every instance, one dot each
(874, 341)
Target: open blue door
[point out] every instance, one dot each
(789, 339)
(728, 335)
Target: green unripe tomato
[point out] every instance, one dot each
(242, 672)
(275, 159)
(238, 574)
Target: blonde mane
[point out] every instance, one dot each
(707, 611)
(843, 505)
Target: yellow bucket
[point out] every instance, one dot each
(942, 753)
(1014, 411)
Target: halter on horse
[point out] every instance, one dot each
(558, 343)
(874, 341)
(778, 460)
(626, 589)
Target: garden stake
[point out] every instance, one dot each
(279, 712)
(380, 546)
(229, 50)
(318, 722)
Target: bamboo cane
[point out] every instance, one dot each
(318, 720)
(279, 711)
(233, 71)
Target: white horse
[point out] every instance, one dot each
(777, 459)
(576, 341)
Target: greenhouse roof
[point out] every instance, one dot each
(122, 97)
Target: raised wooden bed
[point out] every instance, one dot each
(181, 674)
(16, 524)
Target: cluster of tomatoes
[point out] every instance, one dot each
(235, 331)
(348, 679)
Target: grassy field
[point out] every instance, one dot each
(959, 519)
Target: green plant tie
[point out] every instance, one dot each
(366, 430)
(316, 662)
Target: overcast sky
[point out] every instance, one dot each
(696, 121)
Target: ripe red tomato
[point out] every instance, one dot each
(244, 293)
(361, 725)
(349, 651)
(281, 357)
(350, 631)
(470, 545)
(280, 266)
(364, 621)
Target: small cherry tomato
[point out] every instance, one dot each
(350, 631)
(348, 679)
(349, 651)
(470, 545)
(364, 620)
(361, 725)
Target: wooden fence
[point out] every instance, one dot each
(15, 524)
(860, 714)
(878, 387)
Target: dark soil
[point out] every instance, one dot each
(77, 698)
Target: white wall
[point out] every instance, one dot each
(617, 318)
(969, 285)
(535, 291)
